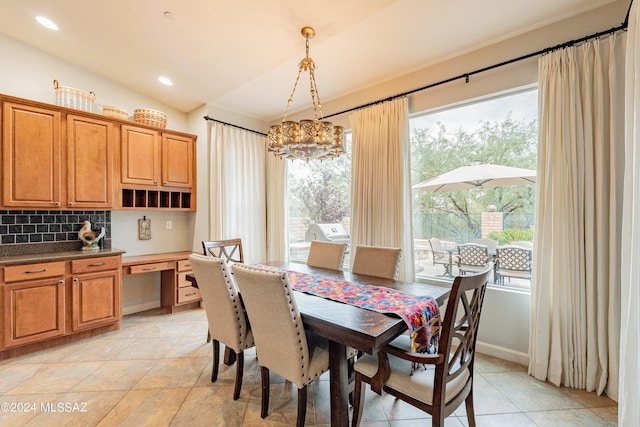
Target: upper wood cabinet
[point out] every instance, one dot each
(48, 169)
(139, 156)
(32, 158)
(90, 147)
(157, 169)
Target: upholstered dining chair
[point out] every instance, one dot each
(225, 313)
(282, 344)
(513, 261)
(326, 254)
(434, 383)
(230, 250)
(472, 258)
(377, 261)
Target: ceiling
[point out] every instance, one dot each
(242, 55)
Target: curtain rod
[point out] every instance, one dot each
(466, 76)
(232, 125)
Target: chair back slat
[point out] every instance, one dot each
(230, 250)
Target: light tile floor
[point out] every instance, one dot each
(156, 371)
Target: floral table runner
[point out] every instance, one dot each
(419, 312)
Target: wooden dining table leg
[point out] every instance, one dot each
(339, 384)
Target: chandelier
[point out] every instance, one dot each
(306, 139)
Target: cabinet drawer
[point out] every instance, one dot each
(184, 265)
(147, 268)
(182, 279)
(94, 264)
(41, 270)
(188, 294)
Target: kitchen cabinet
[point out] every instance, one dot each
(66, 297)
(157, 169)
(34, 303)
(32, 157)
(96, 285)
(90, 160)
(46, 168)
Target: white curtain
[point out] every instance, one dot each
(277, 212)
(629, 395)
(381, 181)
(237, 189)
(575, 323)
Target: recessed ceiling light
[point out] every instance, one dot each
(46, 22)
(165, 81)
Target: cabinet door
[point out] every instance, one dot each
(31, 157)
(96, 300)
(177, 161)
(139, 156)
(89, 163)
(33, 311)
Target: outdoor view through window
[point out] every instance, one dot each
(496, 212)
(474, 216)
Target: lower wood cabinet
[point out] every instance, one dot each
(47, 300)
(33, 311)
(96, 295)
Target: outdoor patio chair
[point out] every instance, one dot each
(472, 258)
(522, 243)
(489, 243)
(513, 261)
(440, 255)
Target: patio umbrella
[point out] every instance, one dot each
(482, 175)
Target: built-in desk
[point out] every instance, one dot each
(176, 292)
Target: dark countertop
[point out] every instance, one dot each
(56, 256)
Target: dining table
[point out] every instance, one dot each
(348, 326)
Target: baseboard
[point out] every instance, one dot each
(503, 353)
(137, 308)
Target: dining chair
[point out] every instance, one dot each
(439, 254)
(377, 261)
(472, 258)
(513, 261)
(225, 313)
(326, 254)
(434, 383)
(282, 344)
(229, 250)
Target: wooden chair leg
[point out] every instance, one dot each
(216, 360)
(264, 376)
(471, 415)
(302, 406)
(239, 373)
(358, 401)
(208, 335)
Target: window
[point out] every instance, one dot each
(319, 193)
(500, 130)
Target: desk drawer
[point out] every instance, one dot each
(188, 294)
(148, 268)
(16, 273)
(184, 265)
(94, 264)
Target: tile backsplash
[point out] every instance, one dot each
(31, 226)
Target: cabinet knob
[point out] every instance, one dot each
(61, 282)
(70, 203)
(75, 280)
(56, 203)
(155, 181)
